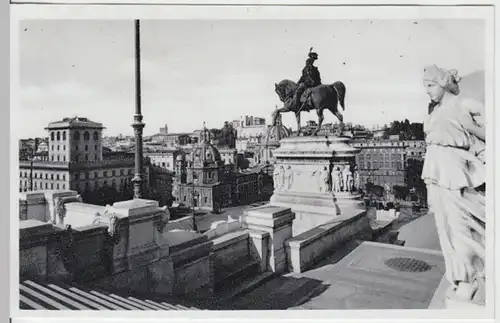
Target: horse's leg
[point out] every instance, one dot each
(297, 116)
(334, 109)
(320, 121)
(277, 113)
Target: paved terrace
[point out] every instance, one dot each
(363, 275)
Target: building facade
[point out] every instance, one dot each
(75, 161)
(381, 162)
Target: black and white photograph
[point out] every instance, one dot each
(267, 164)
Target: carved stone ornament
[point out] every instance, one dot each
(164, 215)
(59, 209)
(113, 225)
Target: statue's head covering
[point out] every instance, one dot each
(313, 55)
(447, 79)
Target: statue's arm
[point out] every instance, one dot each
(472, 118)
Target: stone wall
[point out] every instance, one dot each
(306, 249)
(130, 247)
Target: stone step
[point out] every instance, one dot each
(28, 304)
(246, 286)
(41, 299)
(130, 302)
(115, 301)
(243, 268)
(55, 295)
(37, 295)
(278, 293)
(100, 300)
(76, 297)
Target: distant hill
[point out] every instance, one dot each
(472, 85)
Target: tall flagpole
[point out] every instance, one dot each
(138, 125)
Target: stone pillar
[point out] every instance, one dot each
(277, 221)
(32, 206)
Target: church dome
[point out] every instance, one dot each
(204, 152)
(277, 132)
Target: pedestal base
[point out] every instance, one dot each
(313, 209)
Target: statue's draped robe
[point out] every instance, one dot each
(453, 169)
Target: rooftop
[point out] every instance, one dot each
(75, 122)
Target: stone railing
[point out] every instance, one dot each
(46, 206)
(126, 247)
(307, 248)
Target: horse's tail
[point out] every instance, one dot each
(340, 88)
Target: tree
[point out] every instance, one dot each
(413, 173)
(400, 192)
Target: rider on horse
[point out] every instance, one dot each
(309, 79)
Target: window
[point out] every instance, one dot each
(58, 135)
(77, 176)
(52, 136)
(76, 135)
(64, 147)
(86, 136)
(52, 176)
(57, 176)
(63, 186)
(52, 148)
(86, 157)
(57, 186)
(95, 147)
(46, 186)
(163, 164)
(96, 135)
(96, 174)
(76, 147)
(105, 174)
(95, 157)
(64, 177)
(205, 199)
(64, 135)
(64, 158)
(184, 198)
(122, 172)
(57, 157)
(86, 148)
(113, 172)
(51, 186)
(87, 175)
(36, 175)
(46, 175)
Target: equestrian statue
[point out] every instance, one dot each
(309, 94)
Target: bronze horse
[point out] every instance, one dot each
(318, 98)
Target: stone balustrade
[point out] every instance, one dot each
(309, 247)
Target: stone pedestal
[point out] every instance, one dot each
(303, 180)
(277, 221)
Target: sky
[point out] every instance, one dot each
(197, 71)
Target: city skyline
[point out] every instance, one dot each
(85, 68)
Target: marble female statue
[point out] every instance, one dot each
(345, 174)
(454, 172)
(336, 179)
(325, 178)
(276, 177)
(288, 177)
(357, 180)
